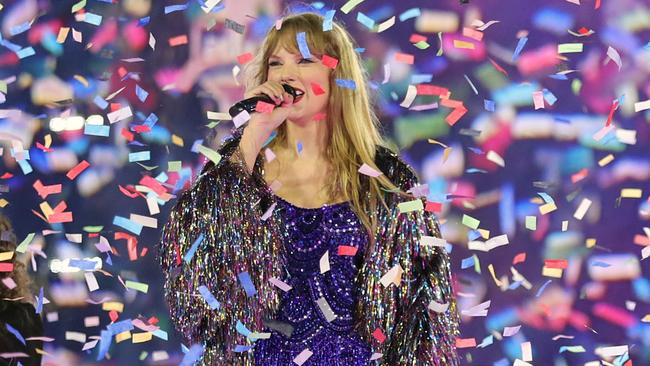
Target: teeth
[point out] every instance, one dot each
(299, 92)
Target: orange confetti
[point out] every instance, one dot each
(178, 40)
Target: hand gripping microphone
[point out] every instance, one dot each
(250, 103)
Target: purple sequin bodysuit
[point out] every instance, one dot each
(319, 307)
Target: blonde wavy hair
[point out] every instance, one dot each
(353, 127)
(22, 290)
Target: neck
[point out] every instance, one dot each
(313, 137)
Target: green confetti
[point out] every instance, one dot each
(93, 229)
(174, 166)
(78, 6)
(470, 222)
(531, 222)
(415, 205)
(138, 286)
(23, 244)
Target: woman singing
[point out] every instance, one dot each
(285, 253)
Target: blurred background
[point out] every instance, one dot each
(538, 162)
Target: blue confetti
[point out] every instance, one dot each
(467, 262)
(350, 84)
(539, 292)
(520, 46)
(82, 264)
(489, 105)
(17, 29)
(328, 21)
(190, 253)
(365, 20)
(25, 52)
(93, 19)
(104, 344)
(299, 147)
(39, 303)
(600, 264)
(120, 327)
(301, 38)
(549, 97)
(97, 130)
(241, 329)
(476, 150)
(193, 355)
(247, 284)
(16, 333)
(173, 8)
(139, 156)
(141, 93)
(127, 224)
(151, 120)
(100, 102)
(240, 348)
(143, 21)
(421, 78)
(209, 298)
(411, 13)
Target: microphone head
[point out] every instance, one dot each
(289, 89)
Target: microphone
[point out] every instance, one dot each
(250, 103)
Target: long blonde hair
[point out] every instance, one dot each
(353, 127)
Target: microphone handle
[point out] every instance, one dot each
(250, 103)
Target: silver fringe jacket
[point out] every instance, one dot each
(224, 209)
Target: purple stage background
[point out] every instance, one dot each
(532, 134)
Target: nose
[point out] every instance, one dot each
(287, 73)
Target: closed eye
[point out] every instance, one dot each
(302, 61)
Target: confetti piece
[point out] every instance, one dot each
(233, 25)
(631, 193)
(139, 156)
(347, 250)
(642, 106)
(91, 281)
(324, 262)
(410, 206)
(365, 169)
(120, 114)
(193, 355)
(301, 38)
(214, 156)
(247, 284)
(582, 209)
(351, 4)
(495, 158)
(330, 62)
(531, 222)
(74, 172)
(409, 14)
(394, 275)
(303, 357)
(387, 24)
(470, 222)
(465, 342)
(209, 298)
(23, 244)
(349, 84)
(538, 99)
(178, 40)
(404, 58)
(614, 56)
(326, 309)
(190, 253)
(488, 245)
(279, 284)
(241, 118)
(510, 331)
(569, 48)
(138, 286)
(78, 6)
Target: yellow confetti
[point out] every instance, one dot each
(631, 193)
(141, 337)
(606, 160)
(48, 140)
(546, 208)
(3, 202)
(4, 256)
(569, 47)
(590, 242)
(113, 305)
(82, 80)
(463, 44)
(122, 336)
(177, 140)
(552, 272)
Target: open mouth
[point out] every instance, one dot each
(298, 96)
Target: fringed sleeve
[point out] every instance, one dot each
(212, 226)
(422, 336)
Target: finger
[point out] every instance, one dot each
(271, 94)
